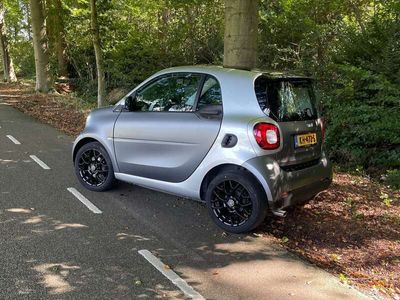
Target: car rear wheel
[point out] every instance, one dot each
(93, 167)
(236, 201)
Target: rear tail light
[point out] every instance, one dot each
(267, 136)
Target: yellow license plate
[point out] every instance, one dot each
(302, 140)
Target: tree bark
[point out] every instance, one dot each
(28, 21)
(8, 66)
(40, 46)
(241, 30)
(101, 90)
(57, 35)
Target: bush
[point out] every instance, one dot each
(24, 60)
(393, 178)
(363, 124)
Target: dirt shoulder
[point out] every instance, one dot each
(352, 229)
(60, 111)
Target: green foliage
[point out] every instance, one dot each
(393, 179)
(385, 199)
(24, 60)
(343, 278)
(18, 32)
(364, 106)
(352, 49)
(357, 64)
(364, 135)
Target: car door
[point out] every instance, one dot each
(163, 136)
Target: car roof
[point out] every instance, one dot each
(219, 71)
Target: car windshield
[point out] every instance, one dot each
(286, 100)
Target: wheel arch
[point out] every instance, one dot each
(81, 143)
(223, 167)
(85, 139)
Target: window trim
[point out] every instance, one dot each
(272, 80)
(206, 76)
(201, 82)
(199, 89)
(196, 102)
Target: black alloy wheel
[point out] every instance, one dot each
(236, 201)
(231, 203)
(93, 167)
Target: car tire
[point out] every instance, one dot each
(92, 163)
(236, 201)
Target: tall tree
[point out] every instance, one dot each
(8, 66)
(56, 32)
(241, 30)
(40, 45)
(101, 88)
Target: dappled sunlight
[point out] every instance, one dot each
(262, 280)
(137, 238)
(56, 258)
(203, 134)
(69, 225)
(7, 161)
(244, 247)
(20, 210)
(41, 223)
(34, 220)
(54, 277)
(161, 292)
(358, 231)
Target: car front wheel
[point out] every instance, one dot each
(93, 167)
(236, 201)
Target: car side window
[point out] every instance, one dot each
(174, 92)
(210, 93)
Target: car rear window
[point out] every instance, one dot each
(286, 100)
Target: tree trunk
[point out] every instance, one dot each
(28, 21)
(8, 66)
(101, 90)
(241, 30)
(40, 46)
(57, 35)
(60, 51)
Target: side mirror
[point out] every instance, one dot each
(130, 103)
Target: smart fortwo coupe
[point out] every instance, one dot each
(245, 142)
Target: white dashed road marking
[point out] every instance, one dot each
(39, 162)
(171, 275)
(13, 139)
(85, 201)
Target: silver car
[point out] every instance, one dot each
(244, 142)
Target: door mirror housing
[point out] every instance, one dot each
(130, 102)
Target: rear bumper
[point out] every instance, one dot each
(301, 195)
(287, 188)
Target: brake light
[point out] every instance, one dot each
(267, 136)
(323, 129)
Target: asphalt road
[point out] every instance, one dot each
(53, 247)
